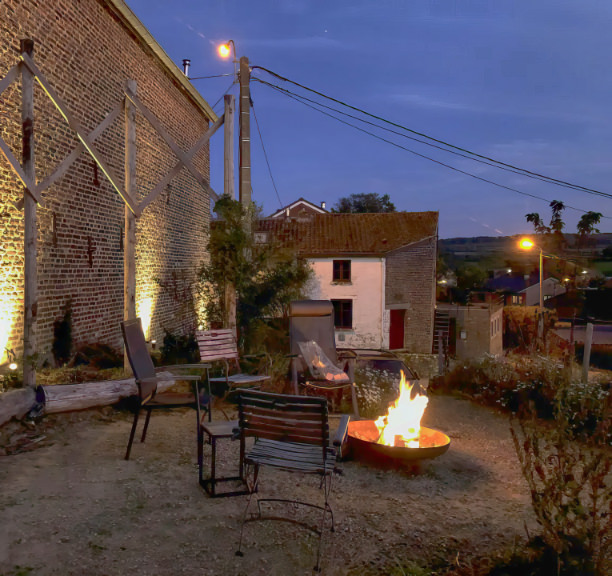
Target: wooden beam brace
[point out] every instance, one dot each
(93, 135)
(85, 140)
(10, 77)
(70, 159)
(27, 183)
(152, 196)
(166, 137)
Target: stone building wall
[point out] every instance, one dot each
(87, 50)
(410, 285)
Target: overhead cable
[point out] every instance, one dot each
(300, 99)
(442, 142)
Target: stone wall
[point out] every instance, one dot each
(411, 285)
(87, 50)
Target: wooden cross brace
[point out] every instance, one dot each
(185, 158)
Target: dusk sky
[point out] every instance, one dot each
(522, 82)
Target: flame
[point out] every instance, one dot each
(402, 423)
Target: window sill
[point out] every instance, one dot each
(341, 283)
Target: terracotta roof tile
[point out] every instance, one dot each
(352, 233)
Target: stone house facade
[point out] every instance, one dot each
(88, 50)
(379, 271)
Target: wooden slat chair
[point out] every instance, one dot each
(291, 433)
(220, 346)
(147, 380)
(312, 321)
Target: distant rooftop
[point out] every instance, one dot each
(365, 234)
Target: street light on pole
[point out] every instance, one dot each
(527, 244)
(244, 77)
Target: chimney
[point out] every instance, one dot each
(186, 64)
(323, 205)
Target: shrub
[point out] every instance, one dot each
(179, 349)
(567, 467)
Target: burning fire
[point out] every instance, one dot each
(402, 423)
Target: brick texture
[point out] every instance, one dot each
(410, 284)
(88, 53)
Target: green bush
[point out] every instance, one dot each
(179, 349)
(567, 466)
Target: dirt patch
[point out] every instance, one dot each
(73, 506)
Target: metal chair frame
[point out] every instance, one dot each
(291, 433)
(147, 380)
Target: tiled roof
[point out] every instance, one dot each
(332, 234)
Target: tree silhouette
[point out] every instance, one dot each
(364, 203)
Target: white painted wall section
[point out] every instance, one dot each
(366, 290)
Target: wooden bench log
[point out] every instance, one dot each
(72, 397)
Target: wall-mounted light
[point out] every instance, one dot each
(10, 354)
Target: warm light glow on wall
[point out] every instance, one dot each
(8, 317)
(144, 309)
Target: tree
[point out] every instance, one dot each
(586, 227)
(265, 278)
(364, 203)
(553, 233)
(538, 223)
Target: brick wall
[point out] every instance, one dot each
(87, 53)
(411, 285)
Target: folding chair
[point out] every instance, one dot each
(220, 345)
(292, 434)
(147, 381)
(314, 359)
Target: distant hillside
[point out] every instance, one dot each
(493, 252)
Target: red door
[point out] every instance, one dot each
(396, 329)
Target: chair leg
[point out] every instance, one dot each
(354, 398)
(326, 507)
(132, 432)
(146, 426)
(246, 509)
(200, 452)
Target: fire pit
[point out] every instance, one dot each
(397, 438)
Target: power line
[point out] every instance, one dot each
(299, 99)
(464, 150)
(224, 93)
(512, 170)
(206, 77)
(266, 155)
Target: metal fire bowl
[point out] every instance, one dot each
(363, 435)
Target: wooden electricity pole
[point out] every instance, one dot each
(228, 188)
(30, 296)
(245, 132)
(228, 146)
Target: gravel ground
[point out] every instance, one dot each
(71, 505)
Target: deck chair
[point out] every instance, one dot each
(291, 433)
(220, 345)
(314, 360)
(147, 381)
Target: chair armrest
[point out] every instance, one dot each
(341, 432)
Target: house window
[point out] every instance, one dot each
(343, 314)
(516, 299)
(342, 271)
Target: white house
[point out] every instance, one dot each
(377, 269)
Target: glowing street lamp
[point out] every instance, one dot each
(527, 244)
(225, 51)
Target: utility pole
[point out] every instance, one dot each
(245, 132)
(229, 189)
(228, 146)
